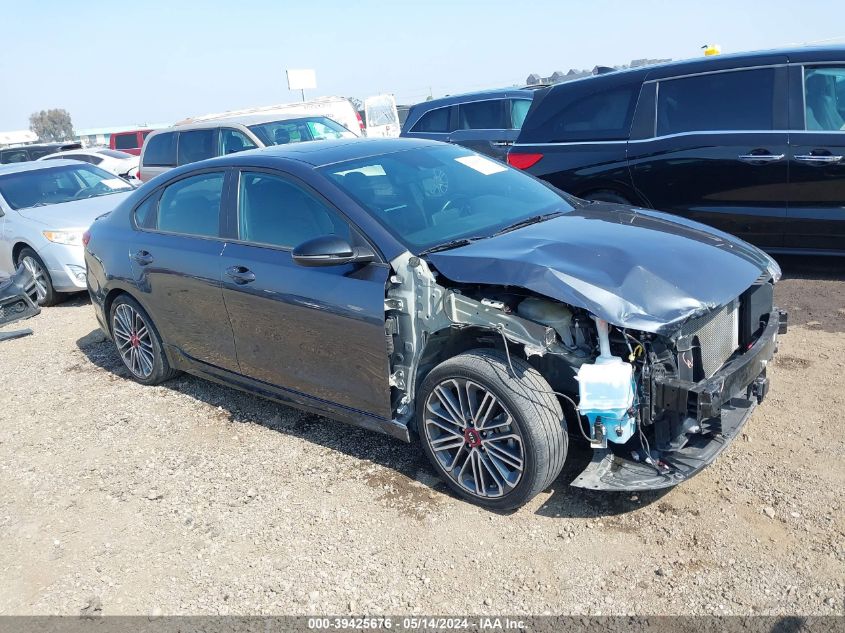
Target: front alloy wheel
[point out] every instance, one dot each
(492, 428)
(473, 437)
(40, 289)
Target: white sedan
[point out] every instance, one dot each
(113, 161)
(45, 207)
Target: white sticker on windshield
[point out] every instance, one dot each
(115, 183)
(481, 165)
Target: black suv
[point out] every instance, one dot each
(24, 153)
(753, 143)
(486, 122)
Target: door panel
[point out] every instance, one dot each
(180, 279)
(315, 331)
(734, 182)
(816, 217)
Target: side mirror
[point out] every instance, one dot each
(330, 250)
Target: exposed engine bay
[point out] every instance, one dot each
(655, 408)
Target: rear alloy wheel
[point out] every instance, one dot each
(138, 343)
(40, 289)
(497, 439)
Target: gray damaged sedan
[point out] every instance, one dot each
(433, 294)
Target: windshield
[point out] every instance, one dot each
(431, 196)
(55, 185)
(316, 128)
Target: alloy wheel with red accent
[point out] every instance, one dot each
(133, 340)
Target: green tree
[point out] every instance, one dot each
(51, 125)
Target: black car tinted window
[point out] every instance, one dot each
(275, 211)
(160, 150)
(589, 113)
(483, 115)
(824, 98)
(126, 141)
(35, 154)
(196, 145)
(434, 121)
(737, 100)
(191, 206)
(13, 156)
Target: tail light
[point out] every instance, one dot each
(138, 174)
(523, 161)
(86, 237)
(360, 121)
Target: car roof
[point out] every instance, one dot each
(246, 119)
(499, 93)
(35, 165)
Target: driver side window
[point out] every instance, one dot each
(273, 210)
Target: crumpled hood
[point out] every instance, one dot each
(78, 214)
(634, 268)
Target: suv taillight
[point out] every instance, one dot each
(360, 121)
(523, 161)
(86, 237)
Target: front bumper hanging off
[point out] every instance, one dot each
(720, 406)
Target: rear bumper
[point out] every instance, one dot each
(720, 406)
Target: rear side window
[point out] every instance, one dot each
(160, 151)
(824, 98)
(35, 154)
(737, 100)
(483, 115)
(591, 113)
(519, 109)
(126, 141)
(232, 141)
(196, 145)
(13, 156)
(434, 121)
(191, 206)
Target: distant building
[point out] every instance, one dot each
(95, 136)
(557, 77)
(17, 137)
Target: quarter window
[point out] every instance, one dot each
(191, 206)
(736, 100)
(482, 115)
(434, 121)
(195, 145)
(824, 97)
(519, 110)
(160, 151)
(272, 210)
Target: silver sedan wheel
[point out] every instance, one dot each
(37, 288)
(473, 438)
(133, 340)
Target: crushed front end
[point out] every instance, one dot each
(695, 389)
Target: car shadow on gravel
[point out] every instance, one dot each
(812, 292)
(410, 481)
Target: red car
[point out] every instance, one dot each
(129, 142)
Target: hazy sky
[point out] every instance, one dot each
(126, 63)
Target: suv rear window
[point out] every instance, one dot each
(434, 121)
(735, 100)
(160, 150)
(126, 141)
(569, 115)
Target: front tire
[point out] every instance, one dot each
(41, 289)
(495, 438)
(138, 342)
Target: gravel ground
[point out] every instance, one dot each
(192, 498)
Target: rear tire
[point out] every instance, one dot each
(606, 195)
(41, 291)
(496, 439)
(138, 343)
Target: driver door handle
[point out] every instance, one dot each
(240, 274)
(144, 258)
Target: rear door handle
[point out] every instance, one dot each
(144, 258)
(240, 274)
(818, 159)
(760, 158)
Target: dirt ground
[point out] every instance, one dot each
(192, 498)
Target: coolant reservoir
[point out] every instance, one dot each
(606, 395)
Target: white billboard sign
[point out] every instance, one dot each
(301, 79)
